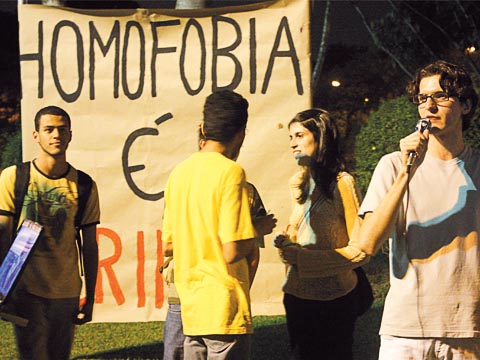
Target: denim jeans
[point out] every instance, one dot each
(173, 337)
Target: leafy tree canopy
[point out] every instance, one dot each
(393, 120)
(415, 33)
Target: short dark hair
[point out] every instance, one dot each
(51, 110)
(454, 80)
(225, 113)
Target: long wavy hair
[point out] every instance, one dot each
(327, 161)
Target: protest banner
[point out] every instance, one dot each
(134, 83)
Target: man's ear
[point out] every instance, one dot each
(35, 136)
(466, 107)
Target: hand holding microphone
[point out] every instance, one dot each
(422, 125)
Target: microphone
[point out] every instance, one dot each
(303, 159)
(422, 125)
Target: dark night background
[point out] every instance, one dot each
(372, 49)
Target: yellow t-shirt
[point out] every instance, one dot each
(206, 205)
(52, 270)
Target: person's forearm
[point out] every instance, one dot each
(90, 261)
(378, 225)
(253, 259)
(236, 250)
(323, 263)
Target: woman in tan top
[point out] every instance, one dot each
(320, 289)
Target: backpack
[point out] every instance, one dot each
(84, 185)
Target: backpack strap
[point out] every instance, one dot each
(22, 179)
(84, 185)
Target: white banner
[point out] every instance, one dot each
(134, 83)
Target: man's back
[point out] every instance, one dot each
(207, 206)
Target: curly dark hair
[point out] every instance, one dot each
(329, 161)
(454, 80)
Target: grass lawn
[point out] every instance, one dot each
(270, 341)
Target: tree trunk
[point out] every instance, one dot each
(322, 49)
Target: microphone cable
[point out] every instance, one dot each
(410, 262)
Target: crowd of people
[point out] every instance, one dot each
(424, 199)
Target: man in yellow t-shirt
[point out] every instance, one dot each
(173, 337)
(208, 227)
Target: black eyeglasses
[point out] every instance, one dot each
(437, 97)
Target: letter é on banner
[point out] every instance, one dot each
(227, 52)
(129, 169)
(80, 60)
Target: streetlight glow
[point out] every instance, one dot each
(470, 49)
(335, 83)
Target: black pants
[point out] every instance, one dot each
(50, 330)
(321, 330)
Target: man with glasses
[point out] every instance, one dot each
(431, 216)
